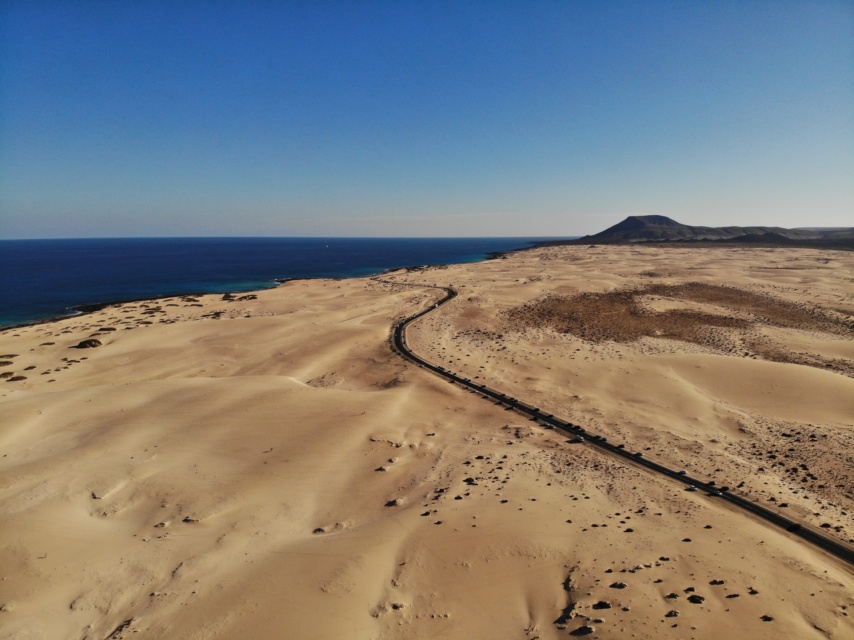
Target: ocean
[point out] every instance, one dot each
(42, 279)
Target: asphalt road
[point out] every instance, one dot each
(714, 490)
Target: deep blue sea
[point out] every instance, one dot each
(41, 279)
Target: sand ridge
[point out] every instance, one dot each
(267, 467)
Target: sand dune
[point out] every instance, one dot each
(268, 468)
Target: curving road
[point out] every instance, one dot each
(713, 491)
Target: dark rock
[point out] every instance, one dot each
(695, 599)
(584, 630)
(671, 614)
(602, 604)
(91, 343)
(618, 585)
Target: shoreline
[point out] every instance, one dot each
(92, 307)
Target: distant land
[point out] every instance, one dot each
(655, 229)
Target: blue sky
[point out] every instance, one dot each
(422, 118)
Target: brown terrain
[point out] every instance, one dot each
(265, 466)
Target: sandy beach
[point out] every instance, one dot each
(265, 466)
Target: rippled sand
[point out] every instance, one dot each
(268, 468)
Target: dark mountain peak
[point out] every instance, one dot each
(663, 229)
(661, 221)
(635, 228)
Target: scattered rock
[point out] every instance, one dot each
(602, 604)
(671, 614)
(584, 630)
(618, 585)
(695, 599)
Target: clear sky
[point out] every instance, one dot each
(183, 118)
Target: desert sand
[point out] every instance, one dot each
(264, 466)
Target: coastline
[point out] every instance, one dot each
(88, 307)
